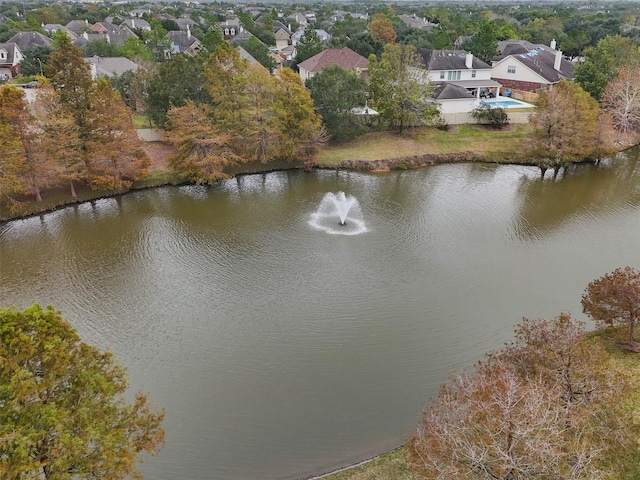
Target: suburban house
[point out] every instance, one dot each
(184, 42)
(10, 58)
(531, 67)
(137, 23)
(462, 79)
(115, 34)
(78, 27)
(230, 28)
(28, 40)
(109, 66)
(341, 57)
(51, 28)
(282, 34)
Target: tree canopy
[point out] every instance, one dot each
(565, 127)
(614, 299)
(544, 407)
(63, 411)
(336, 92)
(399, 91)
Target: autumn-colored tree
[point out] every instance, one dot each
(226, 80)
(63, 412)
(38, 170)
(564, 126)
(255, 138)
(382, 29)
(541, 408)
(242, 103)
(572, 367)
(10, 165)
(399, 91)
(202, 152)
(59, 136)
(614, 299)
(299, 126)
(70, 76)
(621, 100)
(116, 156)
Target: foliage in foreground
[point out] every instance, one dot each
(548, 405)
(63, 414)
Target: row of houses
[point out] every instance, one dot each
(461, 81)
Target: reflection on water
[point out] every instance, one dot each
(280, 351)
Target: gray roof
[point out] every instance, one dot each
(184, 21)
(85, 38)
(28, 40)
(449, 91)
(51, 28)
(538, 58)
(78, 26)
(450, 60)
(182, 40)
(111, 66)
(137, 23)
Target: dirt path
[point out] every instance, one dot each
(158, 153)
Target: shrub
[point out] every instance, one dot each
(495, 116)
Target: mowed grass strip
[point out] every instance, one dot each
(479, 139)
(389, 466)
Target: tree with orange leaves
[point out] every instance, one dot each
(614, 299)
(381, 28)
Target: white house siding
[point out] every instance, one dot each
(484, 74)
(305, 74)
(461, 105)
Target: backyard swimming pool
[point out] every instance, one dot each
(503, 102)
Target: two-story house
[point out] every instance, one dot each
(531, 67)
(10, 58)
(460, 79)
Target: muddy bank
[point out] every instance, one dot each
(405, 163)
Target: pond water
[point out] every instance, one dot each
(280, 350)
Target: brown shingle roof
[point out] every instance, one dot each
(341, 57)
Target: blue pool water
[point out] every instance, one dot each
(506, 103)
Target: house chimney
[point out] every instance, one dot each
(553, 44)
(468, 60)
(188, 32)
(558, 59)
(133, 23)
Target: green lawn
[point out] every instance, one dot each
(141, 121)
(498, 145)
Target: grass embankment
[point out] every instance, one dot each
(393, 465)
(492, 145)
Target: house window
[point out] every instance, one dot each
(511, 69)
(3, 55)
(473, 73)
(454, 75)
(441, 75)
